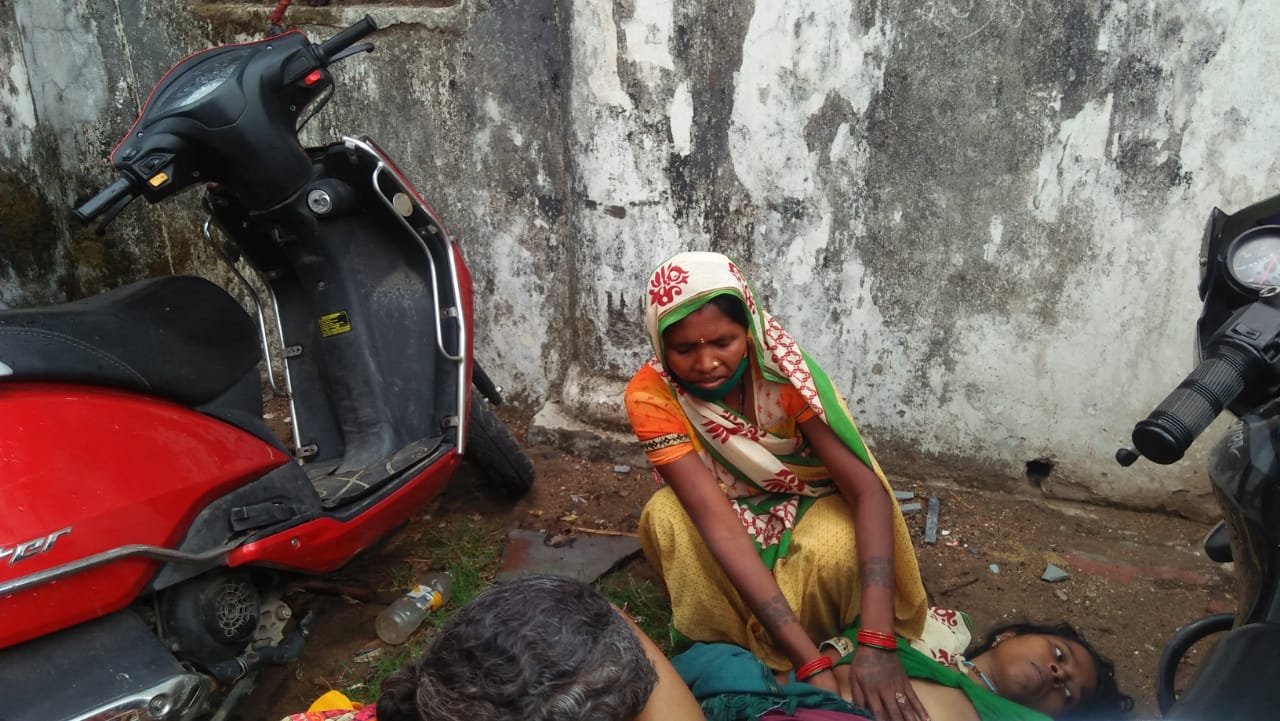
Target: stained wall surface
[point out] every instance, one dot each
(982, 217)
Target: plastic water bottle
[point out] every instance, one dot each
(403, 617)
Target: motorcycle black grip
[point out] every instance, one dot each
(108, 197)
(347, 38)
(1184, 414)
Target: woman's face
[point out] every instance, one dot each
(1043, 672)
(705, 347)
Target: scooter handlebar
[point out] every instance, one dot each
(106, 199)
(346, 38)
(1183, 415)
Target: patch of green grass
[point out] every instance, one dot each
(644, 601)
(472, 554)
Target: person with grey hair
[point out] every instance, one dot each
(538, 648)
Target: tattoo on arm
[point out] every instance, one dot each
(877, 571)
(776, 613)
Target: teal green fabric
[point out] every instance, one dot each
(732, 685)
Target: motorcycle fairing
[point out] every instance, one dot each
(1243, 468)
(1239, 679)
(120, 470)
(115, 666)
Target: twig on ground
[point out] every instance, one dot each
(603, 531)
(957, 586)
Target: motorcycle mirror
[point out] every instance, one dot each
(1127, 457)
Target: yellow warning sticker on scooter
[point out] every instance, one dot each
(335, 324)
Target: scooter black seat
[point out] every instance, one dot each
(179, 337)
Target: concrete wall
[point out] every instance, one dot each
(981, 216)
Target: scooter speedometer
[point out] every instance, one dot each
(1253, 258)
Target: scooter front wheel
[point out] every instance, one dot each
(491, 447)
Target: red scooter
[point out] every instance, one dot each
(150, 513)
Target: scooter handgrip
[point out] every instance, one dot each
(1182, 416)
(107, 198)
(347, 38)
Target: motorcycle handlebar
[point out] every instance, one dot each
(107, 198)
(1183, 415)
(347, 38)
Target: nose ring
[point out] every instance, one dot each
(715, 364)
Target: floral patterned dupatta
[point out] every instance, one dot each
(771, 478)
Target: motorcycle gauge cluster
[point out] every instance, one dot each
(1254, 258)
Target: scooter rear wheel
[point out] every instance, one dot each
(491, 447)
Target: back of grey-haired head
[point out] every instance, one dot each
(539, 648)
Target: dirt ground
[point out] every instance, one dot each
(1134, 578)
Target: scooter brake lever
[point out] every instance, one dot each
(361, 48)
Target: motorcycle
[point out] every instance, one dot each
(152, 514)
(1238, 340)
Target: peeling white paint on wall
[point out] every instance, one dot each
(19, 109)
(648, 34)
(1231, 142)
(1074, 160)
(795, 54)
(596, 51)
(680, 111)
(69, 91)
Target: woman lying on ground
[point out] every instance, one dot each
(539, 648)
(810, 536)
(1020, 672)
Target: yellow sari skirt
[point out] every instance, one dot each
(818, 577)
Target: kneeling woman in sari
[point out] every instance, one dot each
(809, 536)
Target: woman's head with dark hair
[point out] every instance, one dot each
(731, 306)
(541, 648)
(1051, 668)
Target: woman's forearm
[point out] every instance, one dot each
(872, 511)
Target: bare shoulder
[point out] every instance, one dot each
(943, 702)
(671, 699)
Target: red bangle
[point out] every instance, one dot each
(813, 668)
(875, 639)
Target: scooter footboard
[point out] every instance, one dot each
(116, 666)
(1240, 679)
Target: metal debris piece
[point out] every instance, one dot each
(576, 498)
(904, 495)
(931, 521)
(586, 558)
(909, 508)
(1054, 574)
(622, 469)
(994, 568)
(367, 655)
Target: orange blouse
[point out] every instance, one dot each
(665, 432)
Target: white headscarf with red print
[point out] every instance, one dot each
(745, 459)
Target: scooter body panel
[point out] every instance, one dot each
(1240, 679)
(326, 544)
(92, 470)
